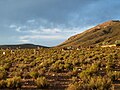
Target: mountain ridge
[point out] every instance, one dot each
(106, 32)
(22, 46)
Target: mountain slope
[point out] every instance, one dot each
(21, 46)
(107, 32)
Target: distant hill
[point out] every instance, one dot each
(105, 33)
(21, 46)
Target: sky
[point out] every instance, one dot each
(50, 22)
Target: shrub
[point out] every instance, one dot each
(15, 73)
(109, 66)
(14, 82)
(99, 83)
(113, 75)
(3, 75)
(7, 66)
(91, 71)
(94, 69)
(34, 74)
(42, 71)
(41, 82)
(84, 75)
(2, 84)
(26, 75)
(74, 86)
(67, 66)
(78, 86)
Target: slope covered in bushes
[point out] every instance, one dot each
(107, 32)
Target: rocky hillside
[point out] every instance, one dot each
(105, 33)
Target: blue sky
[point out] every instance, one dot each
(50, 22)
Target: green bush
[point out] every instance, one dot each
(7, 66)
(99, 83)
(95, 83)
(34, 74)
(3, 75)
(74, 86)
(113, 75)
(2, 83)
(14, 82)
(84, 76)
(41, 82)
(110, 66)
(91, 71)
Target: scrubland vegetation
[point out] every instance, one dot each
(55, 68)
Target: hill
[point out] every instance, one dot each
(107, 32)
(21, 46)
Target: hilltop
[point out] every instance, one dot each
(21, 46)
(107, 32)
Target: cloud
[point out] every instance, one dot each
(35, 38)
(49, 35)
(12, 26)
(39, 27)
(18, 29)
(41, 37)
(37, 31)
(44, 31)
(24, 41)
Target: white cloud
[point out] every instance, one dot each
(32, 38)
(33, 31)
(51, 30)
(26, 37)
(38, 30)
(18, 29)
(38, 26)
(12, 26)
(24, 41)
(43, 30)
